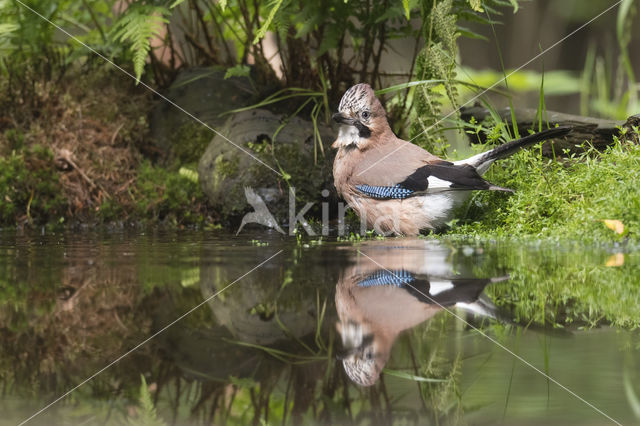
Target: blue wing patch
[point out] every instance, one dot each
(384, 192)
(382, 277)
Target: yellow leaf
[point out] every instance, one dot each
(615, 260)
(615, 225)
(476, 5)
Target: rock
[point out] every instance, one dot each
(225, 170)
(205, 94)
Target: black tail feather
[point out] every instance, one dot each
(513, 146)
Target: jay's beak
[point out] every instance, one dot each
(351, 348)
(339, 118)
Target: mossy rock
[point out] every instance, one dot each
(204, 93)
(225, 170)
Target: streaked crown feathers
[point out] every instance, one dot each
(357, 98)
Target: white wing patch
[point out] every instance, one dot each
(437, 287)
(478, 162)
(436, 184)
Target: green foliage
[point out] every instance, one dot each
(147, 415)
(274, 6)
(609, 87)
(437, 61)
(30, 188)
(166, 195)
(237, 71)
(138, 26)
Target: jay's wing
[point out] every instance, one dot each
(403, 176)
(444, 176)
(438, 291)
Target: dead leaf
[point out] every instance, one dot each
(615, 225)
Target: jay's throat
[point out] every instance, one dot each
(352, 135)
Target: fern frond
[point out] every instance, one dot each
(137, 26)
(7, 29)
(275, 6)
(147, 414)
(435, 62)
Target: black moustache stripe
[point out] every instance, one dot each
(363, 131)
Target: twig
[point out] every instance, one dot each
(95, 21)
(199, 47)
(115, 134)
(65, 155)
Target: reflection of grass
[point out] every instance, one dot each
(558, 287)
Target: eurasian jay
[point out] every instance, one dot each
(396, 186)
(390, 290)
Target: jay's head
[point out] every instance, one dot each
(361, 115)
(362, 356)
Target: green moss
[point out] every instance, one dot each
(189, 142)
(30, 188)
(560, 200)
(166, 195)
(225, 167)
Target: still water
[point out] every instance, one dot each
(191, 327)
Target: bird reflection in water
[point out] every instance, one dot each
(391, 289)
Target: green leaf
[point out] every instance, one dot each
(237, 71)
(222, 4)
(407, 376)
(402, 86)
(623, 12)
(272, 13)
(176, 3)
(466, 32)
(187, 173)
(407, 9)
(514, 3)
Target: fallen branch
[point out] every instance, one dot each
(599, 132)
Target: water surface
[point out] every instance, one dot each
(367, 332)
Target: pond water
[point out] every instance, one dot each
(203, 327)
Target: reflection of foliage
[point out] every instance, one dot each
(431, 357)
(198, 372)
(562, 285)
(568, 291)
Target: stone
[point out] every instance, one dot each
(284, 144)
(204, 93)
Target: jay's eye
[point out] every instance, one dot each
(365, 114)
